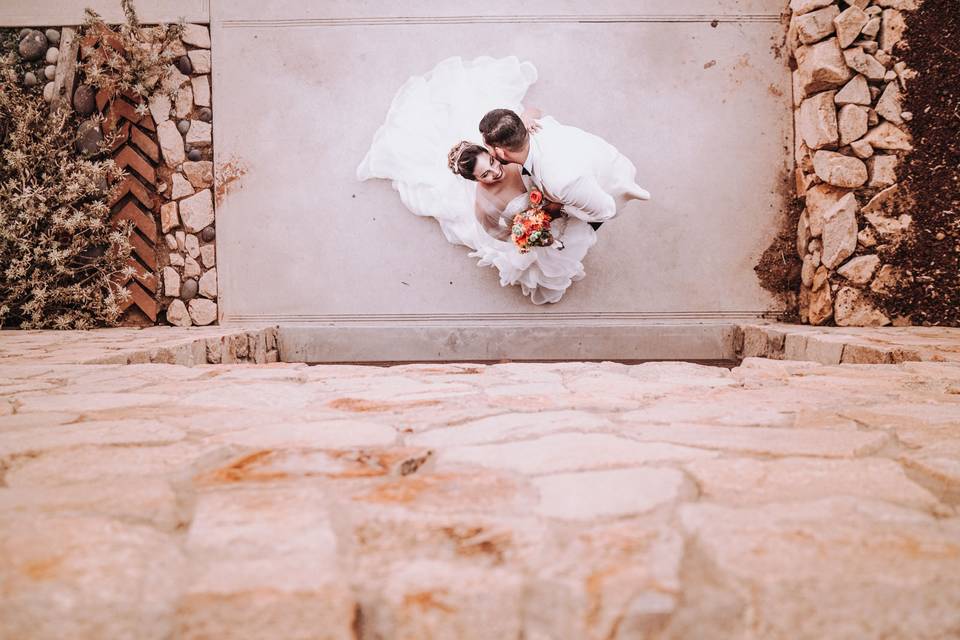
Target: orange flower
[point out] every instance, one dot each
(536, 197)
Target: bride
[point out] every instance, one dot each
(428, 115)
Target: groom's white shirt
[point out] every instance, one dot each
(570, 166)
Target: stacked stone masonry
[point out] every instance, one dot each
(184, 126)
(777, 499)
(850, 138)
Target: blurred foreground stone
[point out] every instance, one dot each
(776, 499)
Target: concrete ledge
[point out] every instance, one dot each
(55, 13)
(315, 344)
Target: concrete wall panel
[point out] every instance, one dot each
(50, 13)
(701, 107)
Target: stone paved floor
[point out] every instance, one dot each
(665, 500)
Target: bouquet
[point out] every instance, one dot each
(531, 228)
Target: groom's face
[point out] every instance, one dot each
(503, 155)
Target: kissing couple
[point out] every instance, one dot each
(579, 174)
(584, 180)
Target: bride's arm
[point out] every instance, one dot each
(489, 219)
(530, 116)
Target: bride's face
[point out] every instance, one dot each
(488, 169)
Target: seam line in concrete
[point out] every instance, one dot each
(506, 317)
(506, 19)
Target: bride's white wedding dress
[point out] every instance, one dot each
(429, 115)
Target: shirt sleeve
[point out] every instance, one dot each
(584, 199)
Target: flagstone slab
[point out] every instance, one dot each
(567, 452)
(764, 441)
(246, 582)
(782, 562)
(748, 481)
(592, 495)
(76, 576)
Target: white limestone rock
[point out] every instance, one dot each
(169, 219)
(192, 246)
(817, 25)
(852, 123)
(862, 62)
(889, 136)
(196, 212)
(839, 231)
(849, 24)
(859, 270)
(890, 105)
(808, 270)
(820, 199)
(861, 149)
(821, 66)
(839, 170)
(818, 121)
(852, 309)
(160, 107)
(171, 143)
(174, 80)
(208, 284)
(872, 28)
(171, 282)
(200, 173)
(820, 307)
(200, 59)
(892, 28)
(184, 102)
(800, 7)
(181, 187)
(197, 35)
(191, 268)
(201, 90)
(857, 91)
(882, 170)
(208, 255)
(203, 311)
(200, 134)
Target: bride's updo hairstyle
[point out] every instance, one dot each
(462, 159)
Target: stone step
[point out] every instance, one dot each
(537, 341)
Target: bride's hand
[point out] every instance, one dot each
(529, 118)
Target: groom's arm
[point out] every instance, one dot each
(584, 199)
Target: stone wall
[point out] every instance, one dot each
(850, 138)
(184, 128)
(166, 151)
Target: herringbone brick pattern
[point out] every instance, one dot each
(135, 198)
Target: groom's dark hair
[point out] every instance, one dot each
(503, 128)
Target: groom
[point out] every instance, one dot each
(584, 173)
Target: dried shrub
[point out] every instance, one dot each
(131, 60)
(59, 254)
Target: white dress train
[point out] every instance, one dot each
(429, 115)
